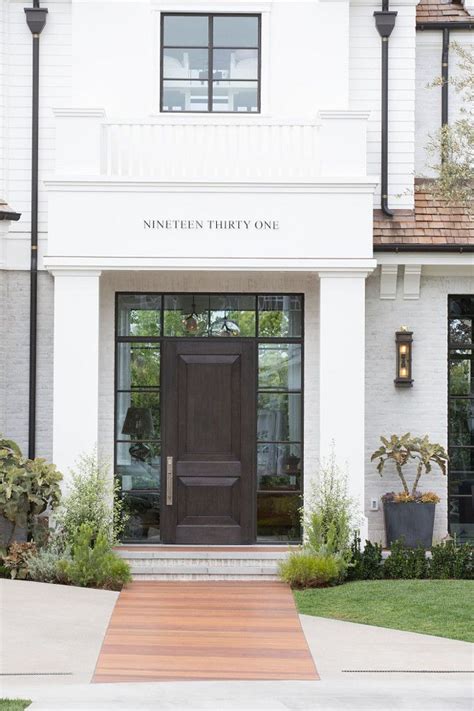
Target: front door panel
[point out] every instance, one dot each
(209, 431)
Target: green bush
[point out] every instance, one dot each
(93, 563)
(304, 569)
(93, 499)
(452, 560)
(46, 565)
(365, 564)
(406, 562)
(27, 488)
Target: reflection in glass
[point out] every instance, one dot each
(461, 422)
(461, 517)
(460, 331)
(185, 64)
(139, 473)
(279, 366)
(143, 510)
(278, 517)
(279, 466)
(460, 377)
(235, 64)
(184, 95)
(139, 315)
(143, 411)
(461, 459)
(235, 31)
(138, 365)
(461, 305)
(185, 31)
(279, 316)
(235, 96)
(279, 417)
(232, 315)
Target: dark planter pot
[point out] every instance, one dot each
(7, 528)
(411, 523)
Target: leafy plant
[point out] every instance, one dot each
(93, 499)
(427, 497)
(406, 562)
(365, 564)
(404, 449)
(304, 569)
(93, 563)
(17, 559)
(28, 487)
(46, 565)
(452, 560)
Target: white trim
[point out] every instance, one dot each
(71, 112)
(341, 114)
(427, 258)
(411, 281)
(388, 281)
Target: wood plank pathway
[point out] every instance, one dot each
(176, 631)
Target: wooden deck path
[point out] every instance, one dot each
(170, 631)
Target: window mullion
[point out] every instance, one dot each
(210, 71)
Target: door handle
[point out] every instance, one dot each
(169, 481)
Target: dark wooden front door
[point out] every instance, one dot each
(209, 442)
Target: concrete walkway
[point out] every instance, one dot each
(53, 628)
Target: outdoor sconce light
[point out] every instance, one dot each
(404, 343)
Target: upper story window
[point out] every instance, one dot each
(210, 63)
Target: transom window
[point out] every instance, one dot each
(210, 63)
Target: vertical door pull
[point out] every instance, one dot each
(169, 481)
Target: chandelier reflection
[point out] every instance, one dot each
(190, 322)
(225, 327)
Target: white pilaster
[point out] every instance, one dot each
(342, 376)
(76, 366)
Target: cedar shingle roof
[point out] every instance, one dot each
(431, 222)
(439, 11)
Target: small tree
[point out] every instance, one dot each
(402, 450)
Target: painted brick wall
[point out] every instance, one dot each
(421, 409)
(428, 100)
(364, 93)
(14, 359)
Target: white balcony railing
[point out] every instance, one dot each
(197, 151)
(186, 149)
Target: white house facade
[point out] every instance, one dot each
(221, 276)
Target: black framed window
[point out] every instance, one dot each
(210, 63)
(461, 416)
(274, 322)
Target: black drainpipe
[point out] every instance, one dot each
(445, 78)
(36, 20)
(385, 22)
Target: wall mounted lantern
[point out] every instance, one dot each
(404, 344)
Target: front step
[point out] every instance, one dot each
(170, 563)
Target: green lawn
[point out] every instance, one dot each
(13, 704)
(440, 607)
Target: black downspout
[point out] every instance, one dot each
(445, 79)
(36, 20)
(385, 22)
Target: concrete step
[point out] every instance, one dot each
(167, 563)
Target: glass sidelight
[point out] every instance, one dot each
(274, 323)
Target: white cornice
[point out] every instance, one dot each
(342, 185)
(70, 112)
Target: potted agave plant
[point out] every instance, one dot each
(409, 514)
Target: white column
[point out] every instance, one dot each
(342, 376)
(76, 366)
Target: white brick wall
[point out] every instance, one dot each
(421, 409)
(428, 100)
(365, 83)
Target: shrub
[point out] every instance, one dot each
(365, 564)
(406, 562)
(93, 562)
(27, 487)
(17, 559)
(452, 560)
(46, 565)
(304, 569)
(93, 499)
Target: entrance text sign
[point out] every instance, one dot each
(237, 224)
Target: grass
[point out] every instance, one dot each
(439, 607)
(13, 704)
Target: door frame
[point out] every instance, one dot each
(256, 340)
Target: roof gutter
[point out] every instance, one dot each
(457, 248)
(384, 22)
(467, 25)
